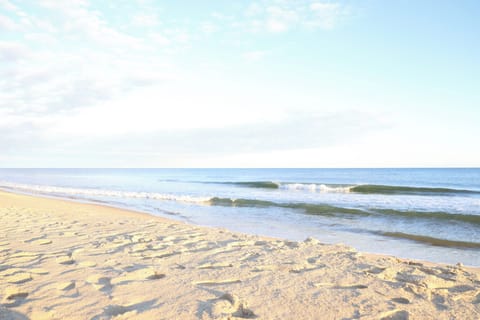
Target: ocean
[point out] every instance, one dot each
(427, 214)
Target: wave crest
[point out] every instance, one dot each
(313, 187)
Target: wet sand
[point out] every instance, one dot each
(67, 260)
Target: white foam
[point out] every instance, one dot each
(312, 187)
(102, 192)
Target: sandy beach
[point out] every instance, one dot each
(67, 260)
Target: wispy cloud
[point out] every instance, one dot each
(75, 77)
(282, 15)
(78, 20)
(7, 24)
(79, 62)
(326, 15)
(72, 56)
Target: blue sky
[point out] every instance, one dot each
(267, 83)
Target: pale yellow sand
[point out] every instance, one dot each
(64, 260)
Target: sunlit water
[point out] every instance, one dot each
(429, 214)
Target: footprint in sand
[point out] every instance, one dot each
(100, 282)
(461, 289)
(229, 305)
(439, 302)
(14, 296)
(117, 310)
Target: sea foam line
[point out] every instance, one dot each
(313, 187)
(101, 192)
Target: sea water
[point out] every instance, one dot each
(428, 214)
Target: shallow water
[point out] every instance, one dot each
(431, 214)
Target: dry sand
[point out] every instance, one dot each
(65, 260)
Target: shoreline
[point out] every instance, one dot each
(166, 219)
(420, 228)
(60, 258)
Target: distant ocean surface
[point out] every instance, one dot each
(428, 214)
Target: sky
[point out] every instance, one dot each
(245, 83)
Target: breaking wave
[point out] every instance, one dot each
(361, 188)
(304, 207)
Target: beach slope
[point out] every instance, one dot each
(67, 260)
